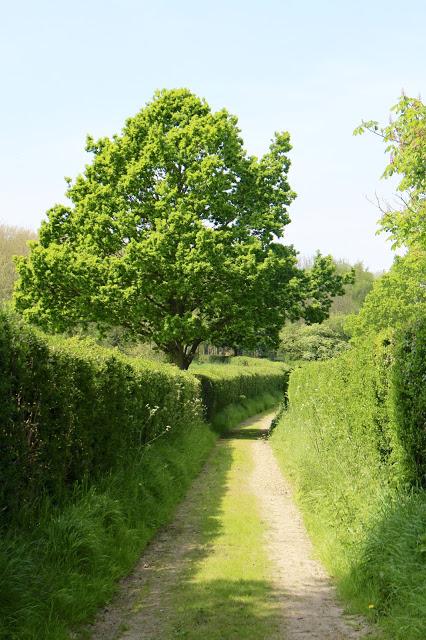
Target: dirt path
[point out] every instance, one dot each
(204, 577)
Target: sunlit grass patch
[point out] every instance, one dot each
(228, 591)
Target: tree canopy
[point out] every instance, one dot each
(397, 297)
(356, 291)
(311, 342)
(173, 233)
(405, 138)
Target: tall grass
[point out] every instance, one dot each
(389, 571)
(57, 574)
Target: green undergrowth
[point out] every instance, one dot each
(389, 574)
(57, 575)
(357, 472)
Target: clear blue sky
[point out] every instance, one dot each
(314, 68)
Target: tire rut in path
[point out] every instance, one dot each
(300, 588)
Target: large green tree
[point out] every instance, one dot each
(400, 295)
(173, 234)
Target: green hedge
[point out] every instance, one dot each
(227, 384)
(335, 438)
(408, 396)
(71, 411)
(353, 442)
(370, 403)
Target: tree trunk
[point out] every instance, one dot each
(181, 355)
(182, 360)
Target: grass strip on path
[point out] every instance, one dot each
(227, 591)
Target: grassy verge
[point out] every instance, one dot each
(57, 575)
(370, 538)
(390, 570)
(227, 592)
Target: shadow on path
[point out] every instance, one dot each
(143, 605)
(246, 434)
(226, 609)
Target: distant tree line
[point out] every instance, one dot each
(13, 241)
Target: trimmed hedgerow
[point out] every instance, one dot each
(353, 441)
(71, 412)
(230, 384)
(55, 575)
(370, 403)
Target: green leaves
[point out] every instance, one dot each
(71, 412)
(311, 342)
(397, 297)
(171, 234)
(405, 139)
(367, 125)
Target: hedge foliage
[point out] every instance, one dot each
(242, 378)
(409, 400)
(353, 442)
(369, 403)
(337, 434)
(71, 411)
